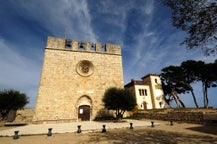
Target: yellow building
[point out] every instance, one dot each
(148, 92)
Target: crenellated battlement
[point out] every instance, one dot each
(74, 77)
(75, 45)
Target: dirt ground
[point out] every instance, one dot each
(179, 133)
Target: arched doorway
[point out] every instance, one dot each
(84, 112)
(84, 108)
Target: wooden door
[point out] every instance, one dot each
(84, 112)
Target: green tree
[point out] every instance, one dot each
(198, 18)
(119, 100)
(171, 77)
(179, 79)
(11, 100)
(207, 74)
(189, 69)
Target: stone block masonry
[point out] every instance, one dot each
(197, 117)
(74, 78)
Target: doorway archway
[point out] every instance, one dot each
(84, 108)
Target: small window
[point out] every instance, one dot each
(143, 92)
(146, 92)
(155, 80)
(140, 92)
(160, 103)
(68, 44)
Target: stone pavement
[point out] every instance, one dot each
(90, 126)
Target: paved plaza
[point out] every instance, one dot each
(87, 126)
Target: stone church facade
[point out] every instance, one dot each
(74, 77)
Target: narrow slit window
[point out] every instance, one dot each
(146, 92)
(143, 92)
(140, 92)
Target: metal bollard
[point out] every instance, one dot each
(49, 132)
(171, 123)
(131, 125)
(103, 128)
(152, 124)
(79, 129)
(16, 136)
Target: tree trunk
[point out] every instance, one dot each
(181, 102)
(173, 94)
(119, 114)
(3, 115)
(194, 98)
(206, 96)
(178, 99)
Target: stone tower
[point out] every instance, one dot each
(74, 77)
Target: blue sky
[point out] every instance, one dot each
(142, 27)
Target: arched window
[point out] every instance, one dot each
(81, 46)
(93, 47)
(68, 44)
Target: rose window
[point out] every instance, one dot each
(85, 68)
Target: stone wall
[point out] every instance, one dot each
(24, 116)
(188, 117)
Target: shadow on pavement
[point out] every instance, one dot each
(205, 129)
(149, 136)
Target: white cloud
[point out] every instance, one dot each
(18, 72)
(149, 7)
(62, 18)
(148, 40)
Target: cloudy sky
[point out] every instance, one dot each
(142, 27)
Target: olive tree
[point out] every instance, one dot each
(11, 100)
(119, 100)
